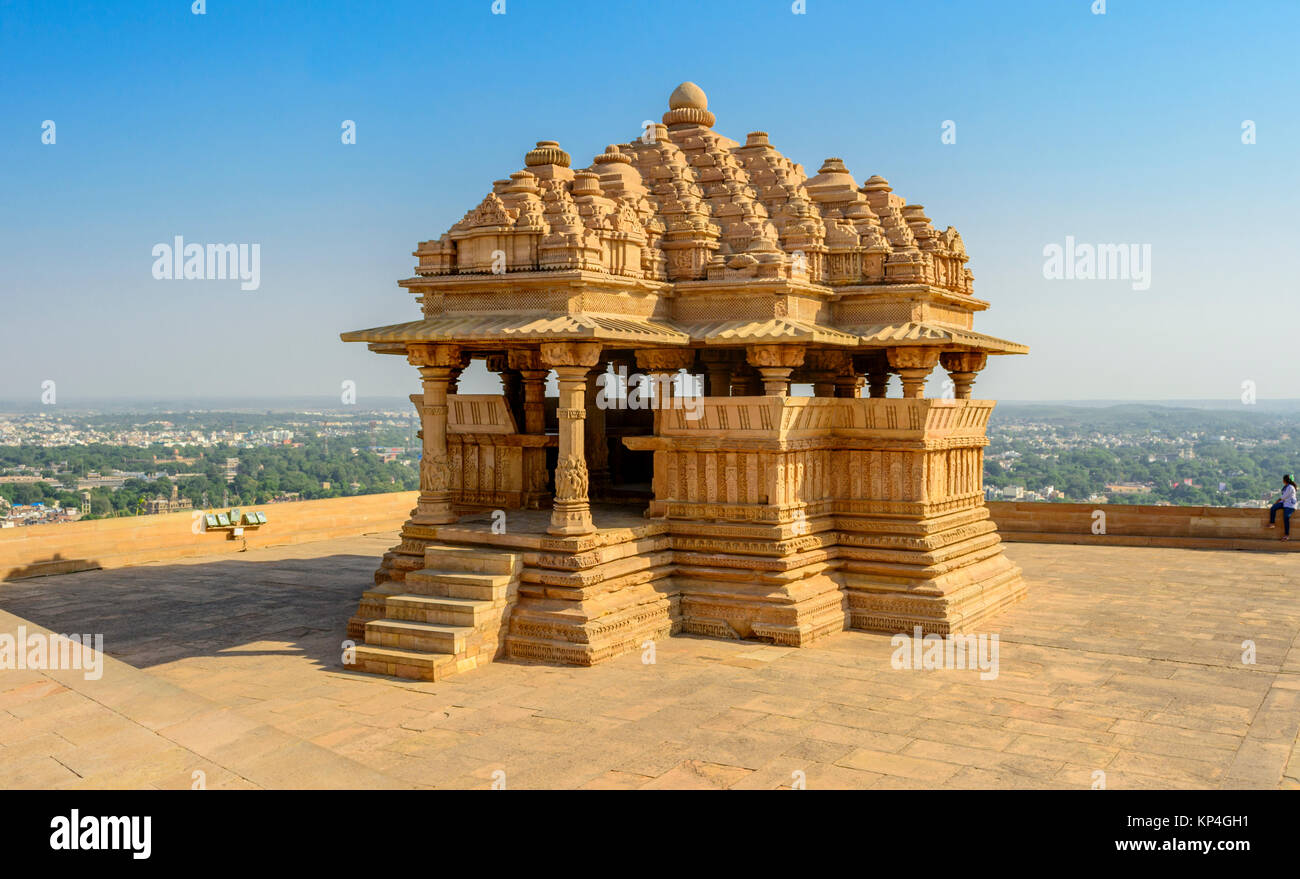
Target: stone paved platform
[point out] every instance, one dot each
(1121, 660)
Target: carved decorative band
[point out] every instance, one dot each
(689, 115)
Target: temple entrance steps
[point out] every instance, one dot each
(448, 617)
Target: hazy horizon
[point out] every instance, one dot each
(295, 403)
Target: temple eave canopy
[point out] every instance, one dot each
(921, 333)
(523, 328)
(780, 329)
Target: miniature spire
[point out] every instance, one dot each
(613, 154)
(548, 152)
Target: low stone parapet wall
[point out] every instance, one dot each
(35, 550)
(1133, 525)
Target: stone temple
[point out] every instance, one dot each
(688, 490)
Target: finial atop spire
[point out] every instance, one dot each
(688, 95)
(688, 105)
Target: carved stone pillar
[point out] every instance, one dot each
(745, 380)
(875, 366)
(848, 384)
(571, 514)
(436, 363)
(775, 363)
(824, 368)
(453, 383)
(961, 367)
(532, 375)
(511, 385)
(595, 441)
(664, 364)
(718, 364)
(913, 364)
(534, 381)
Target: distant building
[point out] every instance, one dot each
(387, 454)
(174, 504)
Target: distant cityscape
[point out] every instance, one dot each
(67, 466)
(1139, 454)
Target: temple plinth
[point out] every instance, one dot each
(682, 289)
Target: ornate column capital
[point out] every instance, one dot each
(557, 354)
(830, 360)
(434, 354)
(964, 361)
(823, 367)
(913, 364)
(524, 358)
(913, 357)
(775, 363)
(665, 359)
(961, 367)
(787, 356)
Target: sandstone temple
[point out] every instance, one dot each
(687, 490)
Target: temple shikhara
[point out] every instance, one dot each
(689, 490)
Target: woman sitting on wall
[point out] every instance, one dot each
(1286, 504)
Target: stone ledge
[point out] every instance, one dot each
(1230, 528)
(39, 550)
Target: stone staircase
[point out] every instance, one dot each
(447, 618)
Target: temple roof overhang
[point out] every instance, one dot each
(619, 330)
(774, 330)
(523, 328)
(929, 334)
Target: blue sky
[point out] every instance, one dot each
(1117, 128)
